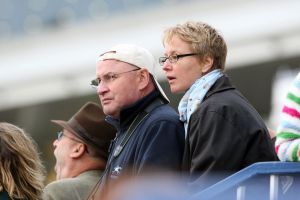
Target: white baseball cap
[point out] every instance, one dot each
(137, 56)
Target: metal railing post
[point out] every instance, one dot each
(241, 193)
(274, 184)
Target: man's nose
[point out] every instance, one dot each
(102, 88)
(55, 142)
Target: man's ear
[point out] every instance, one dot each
(144, 78)
(78, 150)
(208, 62)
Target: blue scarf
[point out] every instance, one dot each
(195, 94)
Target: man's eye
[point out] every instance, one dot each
(112, 76)
(97, 81)
(173, 57)
(109, 77)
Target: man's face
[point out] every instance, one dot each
(63, 147)
(118, 87)
(182, 73)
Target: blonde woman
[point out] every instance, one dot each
(224, 132)
(21, 170)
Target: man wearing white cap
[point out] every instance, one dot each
(150, 135)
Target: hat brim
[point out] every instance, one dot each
(65, 125)
(161, 91)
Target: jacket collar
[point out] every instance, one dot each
(129, 113)
(222, 84)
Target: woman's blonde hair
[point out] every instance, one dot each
(21, 170)
(202, 38)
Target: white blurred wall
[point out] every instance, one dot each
(60, 63)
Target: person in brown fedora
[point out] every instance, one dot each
(81, 152)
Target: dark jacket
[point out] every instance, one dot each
(156, 144)
(225, 134)
(4, 195)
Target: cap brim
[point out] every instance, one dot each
(161, 91)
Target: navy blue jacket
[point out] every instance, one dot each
(156, 144)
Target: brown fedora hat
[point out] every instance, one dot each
(89, 125)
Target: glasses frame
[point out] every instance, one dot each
(109, 77)
(174, 58)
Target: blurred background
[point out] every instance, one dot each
(49, 48)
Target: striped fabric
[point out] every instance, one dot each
(287, 143)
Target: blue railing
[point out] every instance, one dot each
(263, 180)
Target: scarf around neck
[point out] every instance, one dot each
(193, 97)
